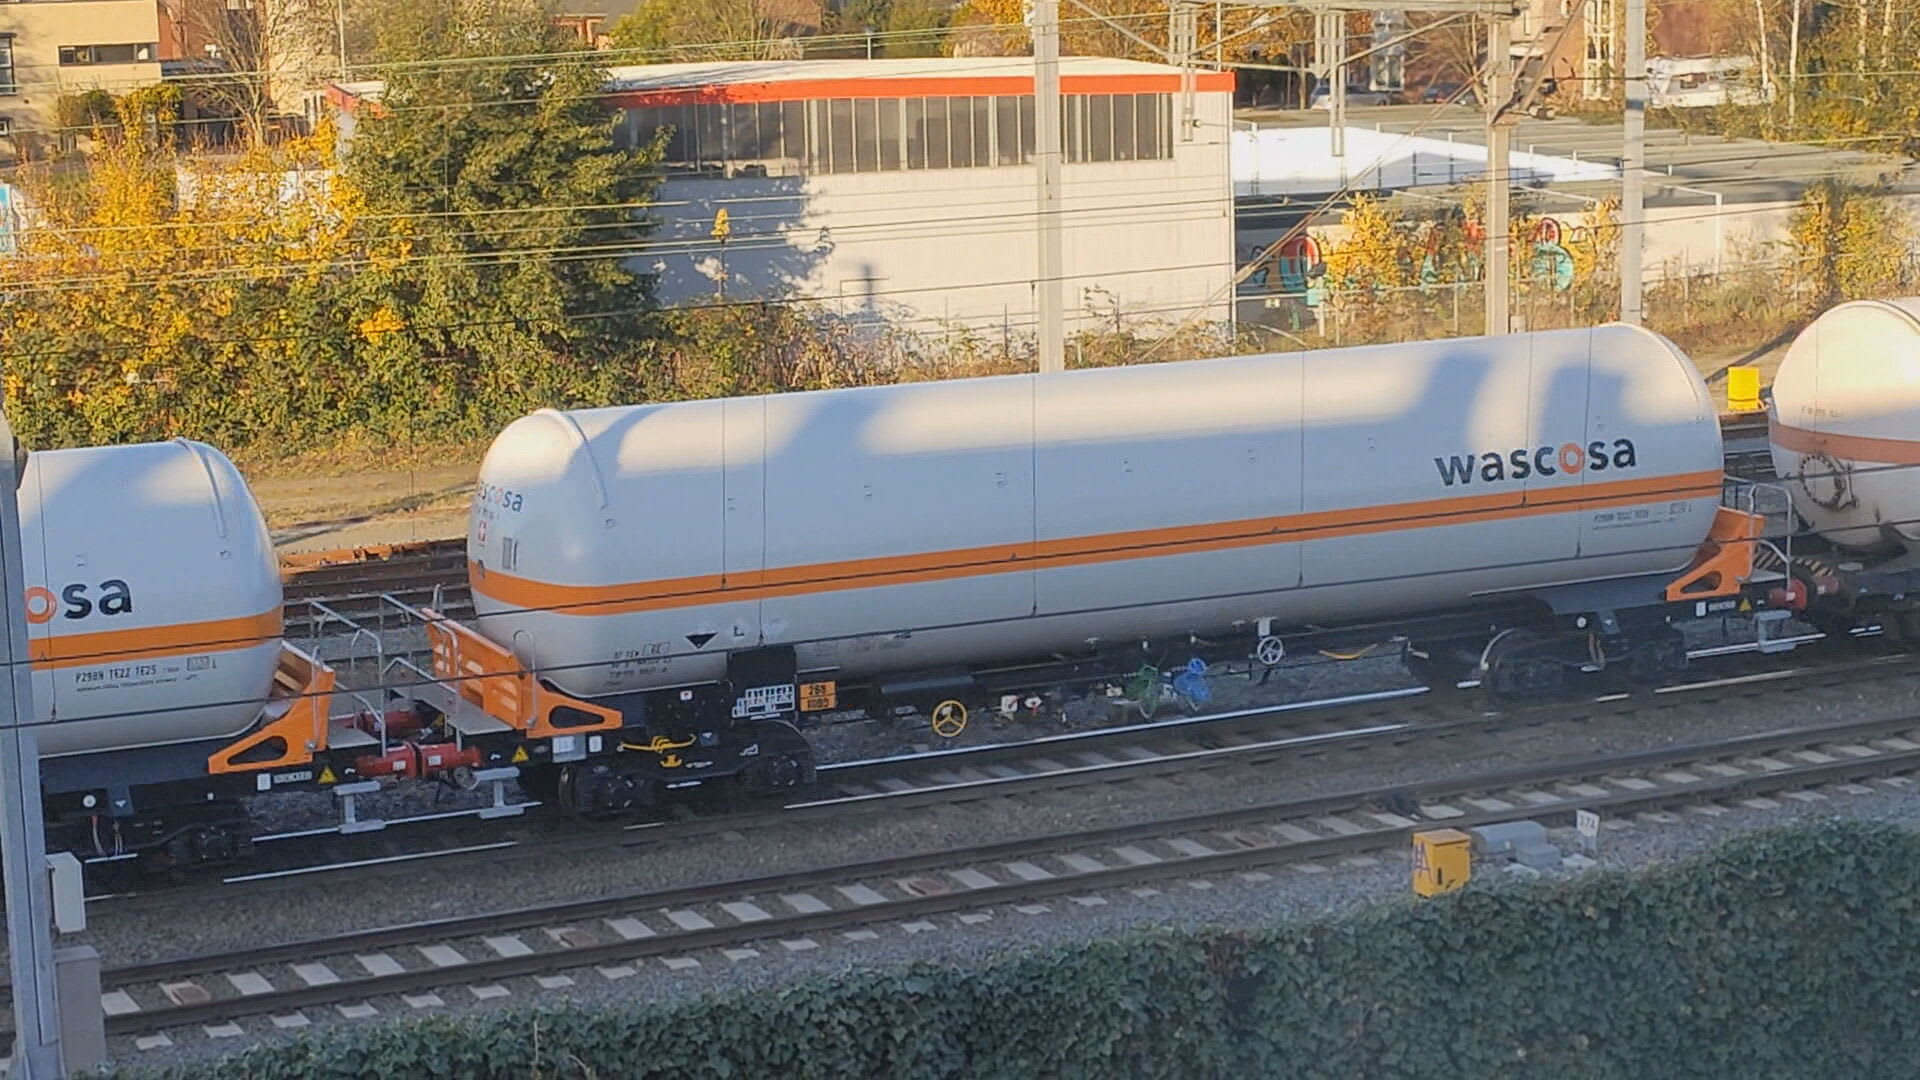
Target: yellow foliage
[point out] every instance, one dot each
(137, 276)
(1851, 243)
(1376, 252)
(384, 320)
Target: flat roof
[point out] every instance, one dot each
(803, 80)
(937, 76)
(1738, 170)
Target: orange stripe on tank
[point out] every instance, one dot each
(1847, 447)
(106, 646)
(1078, 551)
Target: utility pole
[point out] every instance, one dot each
(340, 16)
(1499, 142)
(1049, 306)
(1329, 64)
(23, 840)
(1633, 203)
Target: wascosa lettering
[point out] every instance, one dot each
(495, 495)
(1569, 458)
(78, 600)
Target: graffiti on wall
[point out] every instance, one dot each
(1558, 255)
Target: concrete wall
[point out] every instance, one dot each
(1693, 239)
(39, 30)
(936, 250)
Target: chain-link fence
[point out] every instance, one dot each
(1738, 306)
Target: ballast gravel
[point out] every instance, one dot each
(1230, 901)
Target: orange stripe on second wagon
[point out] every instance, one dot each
(1078, 551)
(1847, 447)
(106, 646)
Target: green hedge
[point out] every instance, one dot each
(1789, 953)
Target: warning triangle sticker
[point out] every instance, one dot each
(700, 640)
(327, 777)
(519, 755)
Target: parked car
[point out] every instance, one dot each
(1322, 98)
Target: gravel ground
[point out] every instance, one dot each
(1242, 900)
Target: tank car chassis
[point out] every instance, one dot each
(482, 717)
(479, 718)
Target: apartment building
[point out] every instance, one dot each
(49, 48)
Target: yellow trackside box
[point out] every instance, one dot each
(1442, 861)
(1743, 389)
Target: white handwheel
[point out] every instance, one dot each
(1270, 651)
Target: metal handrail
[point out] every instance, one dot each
(378, 717)
(530, 663)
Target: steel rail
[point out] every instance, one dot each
(1523, 777)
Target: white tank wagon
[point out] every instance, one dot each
(1845, 433)
(163, 692)
(1846, 424)
(673, 571)
(153, 597)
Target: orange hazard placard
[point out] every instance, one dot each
(817, 696)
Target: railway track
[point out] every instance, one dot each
(398, 970)
(1219, 747)
(1747, 447)
(351, 582)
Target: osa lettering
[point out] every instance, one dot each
(1568, 458)
(115, 598)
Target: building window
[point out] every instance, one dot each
(845, 135)
(7, 83)
(78, 55)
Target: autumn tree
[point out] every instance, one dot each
(155, 295)
(894, 27)
(464, 265)
(1852, 244)
(714, 29)
(1132, 29)
(263, 49)
(1376, 252)
(491, 154)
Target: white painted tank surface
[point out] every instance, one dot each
(901, 527)
(153, 596)
(1846, 424)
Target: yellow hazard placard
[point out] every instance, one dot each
(327, 777)
(519, 755)
(817, 696)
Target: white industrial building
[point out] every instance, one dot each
(904, 190)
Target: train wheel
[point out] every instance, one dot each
(949, 719)
(595, 791)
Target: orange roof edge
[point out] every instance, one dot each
(881, 86)
(1217, 82)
